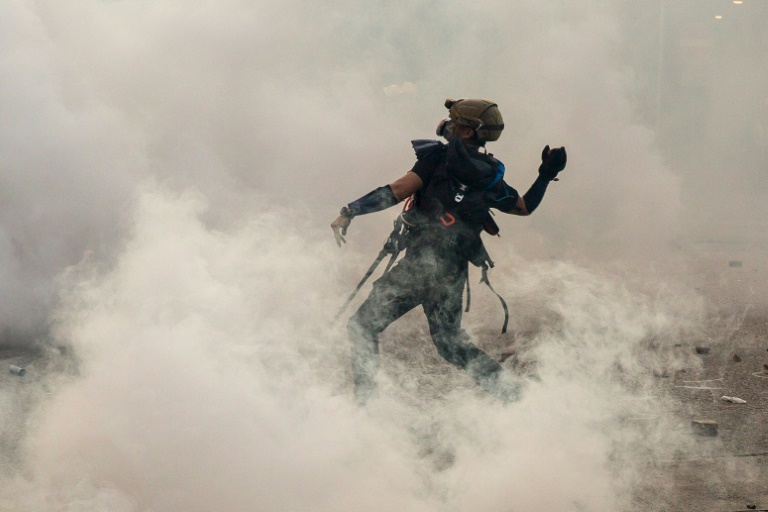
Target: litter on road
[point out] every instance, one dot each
(701, 381)
(704, 427)
(17, 370)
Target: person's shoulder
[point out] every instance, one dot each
(427, 148)
(429, 154)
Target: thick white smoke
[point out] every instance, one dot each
(209, 378)
(169, 171)
(195, 389)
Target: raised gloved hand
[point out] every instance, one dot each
(552, 162)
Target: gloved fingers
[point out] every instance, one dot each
(545, 153)
(558, 159)
(559, 153)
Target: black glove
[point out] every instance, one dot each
(552, 162)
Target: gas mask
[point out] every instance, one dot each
(445, 129)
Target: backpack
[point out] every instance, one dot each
(454, 202)
(456, 195)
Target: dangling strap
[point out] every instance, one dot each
(469, 297)
(397, 239)
(381, 256)
(392, 260)
(485, 280)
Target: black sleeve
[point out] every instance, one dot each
(502, 197)
(429, 154)
(425, 169)
(536, 193)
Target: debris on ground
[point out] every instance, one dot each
(732, 399)
(736, 358)
(17, 370)
(734, 264)
(507, 354)
(702, 350)
(704, 427)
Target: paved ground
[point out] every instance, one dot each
(724, 472)
(44, 367)
(15, 401)
(727, 472)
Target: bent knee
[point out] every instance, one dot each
(364, 325)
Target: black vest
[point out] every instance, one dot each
(452, 209)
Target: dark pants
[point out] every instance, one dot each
(437, 285)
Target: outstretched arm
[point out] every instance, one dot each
(406, 186)
(375, 201)
(552, 162)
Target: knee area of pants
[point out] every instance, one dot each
(451, 354)
(358, 326)
(355, 327)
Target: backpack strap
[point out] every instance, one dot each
(489, 225)
(485, 280)
(499, 174)
(469, 297)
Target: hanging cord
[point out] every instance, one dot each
(485, 280)
(375, 264)
(469, 297)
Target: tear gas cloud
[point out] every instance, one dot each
(169, 173)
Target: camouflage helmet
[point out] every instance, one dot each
(481, 115)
